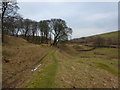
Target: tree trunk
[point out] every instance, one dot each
(55, 41)
(33, 36)
(26, 33)
(2, 31)
(4, 7)
(50, 38)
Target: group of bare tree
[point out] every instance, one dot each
(45, 31)
(9, 11)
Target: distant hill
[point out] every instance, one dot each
(108, 36)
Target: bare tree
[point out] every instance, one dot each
(34, 28)
(60, 30)
(27, 23)
(18, 24)
(44, 29)
(9, 9)
(99, 41)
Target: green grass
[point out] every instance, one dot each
(109, 35)
(105, 58)
(80, 47)
(107, 68)
(46, 77)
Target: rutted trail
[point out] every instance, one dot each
(47, 72)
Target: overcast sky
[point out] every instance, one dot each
(85, 18)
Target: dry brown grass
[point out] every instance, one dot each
(20, 56)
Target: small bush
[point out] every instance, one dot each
(99, 42)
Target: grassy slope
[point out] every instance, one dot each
(60, 68)
(22, 57)
(108, 35)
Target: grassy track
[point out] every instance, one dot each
(46, 77)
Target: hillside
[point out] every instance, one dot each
(20, 56)
(108, 35)
(27, 65)
(109, 38)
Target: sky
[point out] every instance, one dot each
(85, 18)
